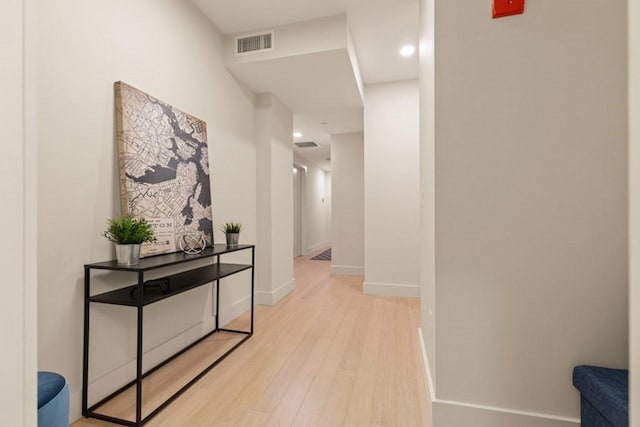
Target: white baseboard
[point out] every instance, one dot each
(346, 270)
(450, 413)
(391, 289)
(239, 307)
(272, 297)
(315, 247)
(454, 413)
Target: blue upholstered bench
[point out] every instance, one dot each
(604, 396)
(53, 400)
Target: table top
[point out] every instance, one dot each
(163, 260)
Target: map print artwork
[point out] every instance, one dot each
(164, 169)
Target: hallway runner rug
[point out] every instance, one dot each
(323, 256)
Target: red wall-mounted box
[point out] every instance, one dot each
(507, 8)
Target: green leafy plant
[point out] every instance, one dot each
(129, 230)
(231, 227)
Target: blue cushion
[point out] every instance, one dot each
(590, 416)
(606, 390)
(53, 400)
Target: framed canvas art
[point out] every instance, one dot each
(164, 169)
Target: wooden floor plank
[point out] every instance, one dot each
(384, 399)
(335, 410)
(311, 408)
(300, 384)
(254, 419)
(359, 413)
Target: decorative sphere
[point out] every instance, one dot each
(193, 243)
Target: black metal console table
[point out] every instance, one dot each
(139, 296)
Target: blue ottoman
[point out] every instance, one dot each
(604, 396)
(53, 400)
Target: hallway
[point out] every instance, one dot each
(325, 355)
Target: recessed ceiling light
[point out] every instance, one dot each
(297, 134)
(407, 50)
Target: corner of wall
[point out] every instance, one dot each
(447, 413)
(351, 50)
(427, 367)
(273, 297)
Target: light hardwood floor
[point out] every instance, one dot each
(325, 355)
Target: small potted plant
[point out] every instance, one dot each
(128, 233)
(232, 232)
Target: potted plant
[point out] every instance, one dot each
(232, 232)
(128, 233)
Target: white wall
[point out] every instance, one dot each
(634, 211)
(347, 229)
(328, 204)
(171, 51)
(17, 177)
(273, 135)
(317, 201)
(262, 137)
(391, 183)
(316, 205)
(297, 210)
(282, 194)
(426, 51)
(531, 208)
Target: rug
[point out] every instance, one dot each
(323, 256)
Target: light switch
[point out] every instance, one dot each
(507, 8)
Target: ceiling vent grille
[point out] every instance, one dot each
(307, 144)
(254, 43)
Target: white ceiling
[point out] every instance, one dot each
(379, 29)
(304, 83)
(311, 126)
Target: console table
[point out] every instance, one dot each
(139, 296)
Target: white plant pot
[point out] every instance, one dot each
(128, 254)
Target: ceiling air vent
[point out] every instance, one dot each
(254, 43)
(307, 144)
